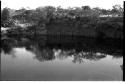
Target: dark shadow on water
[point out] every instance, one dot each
(80, 48)
(60, 58)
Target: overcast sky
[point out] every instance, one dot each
(17, 4)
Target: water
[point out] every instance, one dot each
(60, 59)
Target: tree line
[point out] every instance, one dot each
(47, 13)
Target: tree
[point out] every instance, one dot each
(6, 20)
(4, 17)
(97, 9)
(59, 11)
(117, 9)
(104, 11)
(50, 13)
(86, 8)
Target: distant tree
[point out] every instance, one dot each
(104, 11)
(78, 11)
(86, 7)
(6, 21)
(50, 12)
(117, 9)
(59, 12)
(97, 9)
(4, 16)
(86, 11)
(21, 10)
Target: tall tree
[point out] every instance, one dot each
(86, 7)
(117, 9)
(4, 17)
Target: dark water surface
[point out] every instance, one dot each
(60, 58)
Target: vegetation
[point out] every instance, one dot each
(6, 20)
(83, 21)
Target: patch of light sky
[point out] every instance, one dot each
(17, 4)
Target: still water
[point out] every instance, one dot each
(62, 59)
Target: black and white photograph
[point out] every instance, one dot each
(61, 40)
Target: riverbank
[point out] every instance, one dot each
(104, 27)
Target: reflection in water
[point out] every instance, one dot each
(56, 49)
(47, 49)
(121, 67)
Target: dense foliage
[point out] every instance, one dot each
(71, 21)
(6, 20)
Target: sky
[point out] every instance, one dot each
(32, 4)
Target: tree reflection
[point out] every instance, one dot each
(44, 55)
(49, 49)
(6, 45)
(93, 56)
(117, 56)
(121, 66)
(77, 58)
(60, 54)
